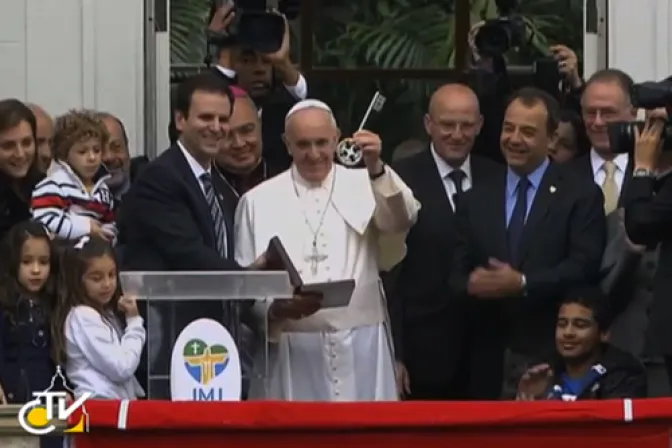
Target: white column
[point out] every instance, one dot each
(64, 54)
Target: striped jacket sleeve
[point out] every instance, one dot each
(51, 207)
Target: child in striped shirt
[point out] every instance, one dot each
(74, 200)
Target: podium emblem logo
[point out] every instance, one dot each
(205, 362)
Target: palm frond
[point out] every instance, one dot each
(187, 30)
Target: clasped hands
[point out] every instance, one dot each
(496, 280)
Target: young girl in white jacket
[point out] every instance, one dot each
(98, 333)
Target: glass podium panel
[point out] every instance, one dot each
(205, 330)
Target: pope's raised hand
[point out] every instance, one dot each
(371, 146)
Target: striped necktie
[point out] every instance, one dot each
(231, 310)
(216, 214)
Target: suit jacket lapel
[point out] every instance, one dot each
(494, 202)
(227, 202)
(627, 176)
(195, 190)
(543, 198)
(430, 180)
(587, 166)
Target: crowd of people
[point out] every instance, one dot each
(514, 280)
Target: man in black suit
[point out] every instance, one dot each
(523, 239)
(175, 217)
(168, 219)
(606, 99)
(627, 269)
(431, 326)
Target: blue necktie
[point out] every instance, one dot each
(517, 222)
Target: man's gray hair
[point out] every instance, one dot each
(108, 116)
(310, 104)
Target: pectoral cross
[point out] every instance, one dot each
(315, 258)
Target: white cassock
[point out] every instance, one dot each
(337, 354)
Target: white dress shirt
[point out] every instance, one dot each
(299, 91)
(196, 167)
(198, 171)
(599, 173)
(445, 170)
(101, 357)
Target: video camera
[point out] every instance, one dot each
(647, 95)
(497, 36)
(255, 26)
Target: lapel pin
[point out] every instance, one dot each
(552, 189)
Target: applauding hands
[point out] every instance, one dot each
(497, 280)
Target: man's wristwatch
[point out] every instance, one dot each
(642, 172)
(378, 174)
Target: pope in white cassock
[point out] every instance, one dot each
(335, 223)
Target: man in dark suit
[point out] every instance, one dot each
(168, 219)
(175, 217)
(626, 268)
(523, 239)
(431, 327)
(606, 99)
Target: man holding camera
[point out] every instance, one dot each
(648, 217)
(257, 73)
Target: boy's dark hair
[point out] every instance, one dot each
(207, 81)
(531, 96)
(75, 257)
(10, 248)
(592, 298)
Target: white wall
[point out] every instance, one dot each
(64, 54)
(594, 37)
(639, 38)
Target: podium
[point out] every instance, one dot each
(206, 332)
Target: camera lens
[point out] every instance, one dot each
(493, 39)
(622, 136)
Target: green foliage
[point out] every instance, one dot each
(187, 30)
(417, 34)
(407, 34)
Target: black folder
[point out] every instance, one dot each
(334, 294)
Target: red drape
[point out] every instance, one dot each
(424, 425)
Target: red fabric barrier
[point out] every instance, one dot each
(424, 425)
